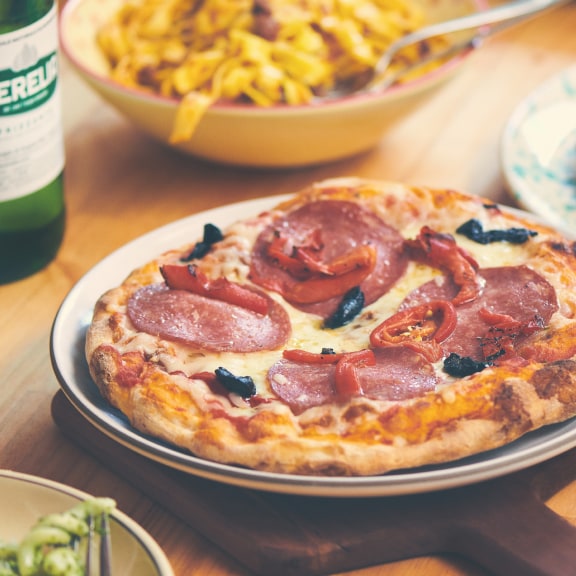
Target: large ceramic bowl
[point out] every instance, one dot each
(247, 135)
(25, 498)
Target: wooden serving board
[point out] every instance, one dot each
(502, 525)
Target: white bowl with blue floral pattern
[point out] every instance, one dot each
(539, 151)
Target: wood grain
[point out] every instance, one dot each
(502, 525)
(120, 185)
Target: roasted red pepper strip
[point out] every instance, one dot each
(506, 322)
(191, 279)
(497, 320)
(503, 333)
(420, 328)
(441, 251)
(347, 381)
(299, 261)
(319, 280)
(346, 376)
(345, 273)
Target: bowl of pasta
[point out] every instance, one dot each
(249, 82)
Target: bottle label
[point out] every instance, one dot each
(31, 141)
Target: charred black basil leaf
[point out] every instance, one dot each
(473, 230)
(242, 385)
(350, 306)
(461, 366)
(212, 234)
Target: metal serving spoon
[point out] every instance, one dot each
(500, 17)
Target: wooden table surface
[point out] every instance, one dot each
(120, 184)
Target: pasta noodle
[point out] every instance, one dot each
(260, 52)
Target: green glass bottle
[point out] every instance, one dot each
(32, 209)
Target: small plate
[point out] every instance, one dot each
(68, 360)
(539, 151)
(25, 498)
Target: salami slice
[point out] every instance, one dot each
(205, 323)
(399, 374)
(342, 227)
(515, 291)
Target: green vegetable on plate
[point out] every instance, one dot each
(56, 544)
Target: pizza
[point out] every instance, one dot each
(356, 328)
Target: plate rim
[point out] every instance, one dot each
(474, 469)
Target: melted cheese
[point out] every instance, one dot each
(232, 261)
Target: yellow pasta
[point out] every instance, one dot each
(260, 52)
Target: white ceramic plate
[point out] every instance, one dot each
(67, 349)
(25, 498)
(539, 151)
